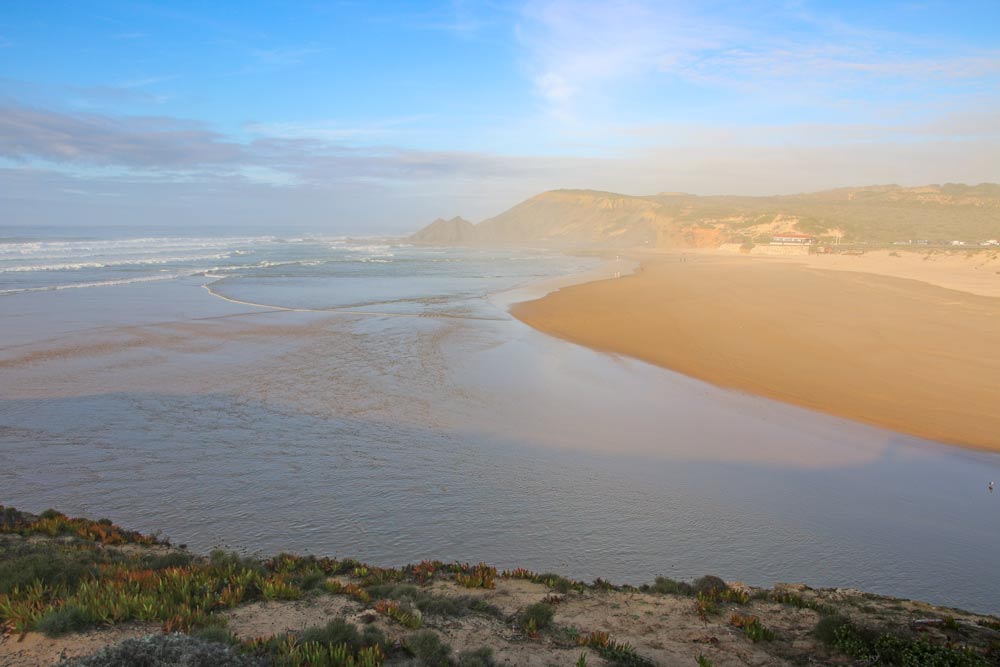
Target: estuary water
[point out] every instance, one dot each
(364, 398)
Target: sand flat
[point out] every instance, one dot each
(896, 353)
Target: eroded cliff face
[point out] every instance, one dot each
(457, 231)
(593, 218)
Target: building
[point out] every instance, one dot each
(792, 239)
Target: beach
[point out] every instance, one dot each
(898, 353)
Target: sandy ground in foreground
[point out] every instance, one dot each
(907, 355)
(665, 629)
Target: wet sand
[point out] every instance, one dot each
(895, 353)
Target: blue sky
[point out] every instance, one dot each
(371, 117)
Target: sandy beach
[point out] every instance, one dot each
(910, 356)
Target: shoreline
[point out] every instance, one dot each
(892, 352)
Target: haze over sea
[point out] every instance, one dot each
(365, 398)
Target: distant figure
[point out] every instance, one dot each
(991, 487)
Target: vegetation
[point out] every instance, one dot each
(480, 576)
(536, 617)
(666, 586)
(752, 628)
(616, 653)
(892, 649)
(171, 650)
(427, 647)
(68, 583)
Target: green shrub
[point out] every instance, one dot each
(758, 632)
(668, 586)
(827, 627)
(215, 633)
(173, 650)
(709, 586)
(310, 580)
(163, 561)
(44, 564)
(893, 650)
(536, 617)
(337, 631)
(427, 603)
(63, 620)
(556, 582)
(622, 655)
(429, 649)
(481, 657)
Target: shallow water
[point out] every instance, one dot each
(438, 427)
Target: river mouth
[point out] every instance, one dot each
(434, 425)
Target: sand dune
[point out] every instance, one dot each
(901, 354)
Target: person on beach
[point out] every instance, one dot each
(991, 487)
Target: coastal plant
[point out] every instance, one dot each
(704, 661)
(428, 603)
(216, 633)
(22, 567)
(337, 644)
(113, 587)
(535, 617)
(428, 648)
(166, 650)
(555, 581)
(408, 618)
(615, 653)
(21, 610)
(277, 588)
(480, 657)
(62, 620)
(558, 583)
(340, 631)
(424, 571)
(594, 639)
(893, 650)
(709, 586)
(668, 586)
(478, 576)
(800, 602)
(350, 590)
(752, 628)
(705, 606)
(56, 524)
(735, 595)
(603, 585)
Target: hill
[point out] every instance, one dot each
(875, 214)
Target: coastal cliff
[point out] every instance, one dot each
(73, 587)
(936, 214)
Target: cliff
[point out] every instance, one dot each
(872, 214)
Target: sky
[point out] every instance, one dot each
(365, 118)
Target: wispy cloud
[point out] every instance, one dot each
(579, 52)
(334, 131)
(136, 141)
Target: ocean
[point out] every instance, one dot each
(365, 398)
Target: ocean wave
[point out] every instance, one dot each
(140, 245)
(100, 283)
(143, 261)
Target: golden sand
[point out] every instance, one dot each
(896, 353)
